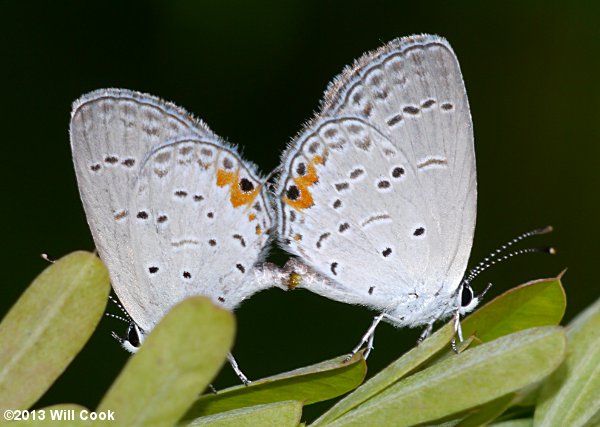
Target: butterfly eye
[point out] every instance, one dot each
(466, 296)
(134, 335)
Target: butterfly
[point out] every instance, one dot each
(377, 195)
(174, 210)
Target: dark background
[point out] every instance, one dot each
(255, 72)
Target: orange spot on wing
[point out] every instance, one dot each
(225, 178)
(258, 230)
(251, 217)
(237, 196)
(305, 200)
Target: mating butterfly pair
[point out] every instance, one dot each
(376, 196)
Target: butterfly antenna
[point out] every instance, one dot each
(114, 316)
(120, 308)
(499, 254)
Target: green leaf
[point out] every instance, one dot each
(399, 369)
(487, 412)
(533, 304)
(571, 396)
(525, 422)
(311, 384)
(536, 303)
(280, 414)
(177, 361)
(470, 379)
(49, 325)
(527, 396)
(474, 417)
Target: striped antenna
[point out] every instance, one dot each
(114, 316)
(499, 255)
(118, 304)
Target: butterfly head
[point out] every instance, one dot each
(135, 335)
(466, 298)
(134, 338)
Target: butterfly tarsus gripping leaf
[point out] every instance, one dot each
(369, 336)
(237, 369)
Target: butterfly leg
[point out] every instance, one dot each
(368, 337)
(237, 369)
(457, 331)
(426, 332)
(370, 345)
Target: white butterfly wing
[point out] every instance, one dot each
(173, 211)
(387, 202)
